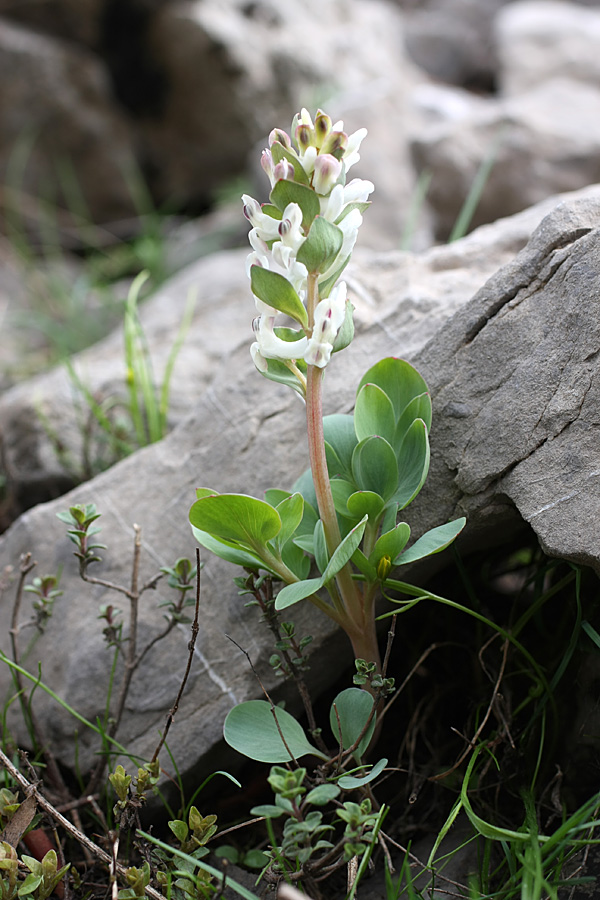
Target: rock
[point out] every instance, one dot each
(526, 343)
(51, 441)
(59, 126)
(529, 146)
(538, 39)
(73, 20)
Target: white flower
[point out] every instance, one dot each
(257, 358)
(327, 172)
(357, 191)
(329, 318)
(290, 227)
(351, 154)
(272, 347)
(265, 226)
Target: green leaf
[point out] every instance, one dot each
(29, 885)
(290, 512)
(390, 544)
(279, 152)
(269, 210)
(431, 542)
(339, 433)
(398, 379)
(250, 728)
(294, 557)
(418, 408)
(328, 281)
(278, 372)
(413, 463)
(374, 466)
(276, 291)
(304, 484)
(294, 593)
(267, 809)
(363, 565)
(353, 708)
(322, 245)
(360, 205)
(322, 794)
(341, 491)
(374, 414)
(274, 496)
(238, 518)
(320, 547)
(343, 552)
(285, 192)
(349, 782)
(365, 503)
(229, 551)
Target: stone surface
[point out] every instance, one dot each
(531, 145)
(74, 20)
(514, 380)
(58, 121)
(538, 39)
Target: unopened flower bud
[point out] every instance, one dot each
(280, 136)
(327, 172)
(266, 162)
(283, 171)
(335, 143)
(384, 567)
(322, 127)
(304, 137)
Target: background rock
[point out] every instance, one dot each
(502, 351)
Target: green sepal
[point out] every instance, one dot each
(279, 152)
(374, 467)
(374, 414)
(285, 192)
(276, 291)
(322, 245)
(433, 541)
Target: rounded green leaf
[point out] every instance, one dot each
(236, 517)
(276, 291)
(390, 544)
(341, 491)
(299, 590)
(375, 467)
(431, 542)
(350, 712)
(418, 408)
(250, 728)
(413, 463)
(321, 246)
(398, 379)
(290, 512)
(322, 794)
(374, 413)
(365, 503)
(339, 433)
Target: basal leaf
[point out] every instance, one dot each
(339, 433)
(295, 558)
(431, 542)
(365, 503)
(290, 512)
(418, 408)
(374, 414)
(344, 551)
(413, 463)
(251, 729)
(274, 496)
(390, 544)
(238, 518)
(229, 551)
(276, 291)
(320, 547)
(352, 708)
(400, 381)
(375, 467)
(321, 246)
(341, 491)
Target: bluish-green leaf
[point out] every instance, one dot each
(238, 518)
(320, 547)
(321, 246)
(250, 728)
(365, 503)
(296, 559)
(413, 463)
(352, 708)
(349, 782)
(390, 544)
(341, 491)
(285, 192)
(294, 593)
(306, 542)
(305, 485)
(374, 466)
(290, 512)
(418, 408)
(269, 810)
(276, 291)
(431, 542)
(338, 431)
(322, 794)
(400, 381)
(274, 496)
(343, 552)
(363, 565)
(374, 414)
(230, 552)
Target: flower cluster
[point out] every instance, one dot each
(301, 242)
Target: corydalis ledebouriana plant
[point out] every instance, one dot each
(302, 241)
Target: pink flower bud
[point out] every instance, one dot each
(279, 135)
(327, 172)
(266, 162)
(283, 171)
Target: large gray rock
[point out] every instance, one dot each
(514, 379)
